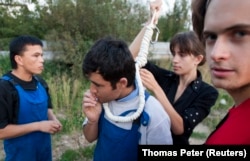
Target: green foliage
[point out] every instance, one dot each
(175, 21)
(16, 19)
(74, 26)
(199, 135)
(71, 27)
(219, 110)
(5, 64)
(81, 154)
(71, 155)
(66, 93)
(88, 151)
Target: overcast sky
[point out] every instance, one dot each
(167, 4)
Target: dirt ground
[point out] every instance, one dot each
(72, 141)
(77, 140)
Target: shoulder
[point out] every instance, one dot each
(204, 87)
(152, 103)
(6, 87)
(154, 109)
(208, 87)
(6, 84)
(41, 80)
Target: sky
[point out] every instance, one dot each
(167, 4)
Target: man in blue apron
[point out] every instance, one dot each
(116, 115)
(26, 116)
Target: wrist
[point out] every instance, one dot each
(92, 122)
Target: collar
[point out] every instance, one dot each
(132, 95)
(197, 82)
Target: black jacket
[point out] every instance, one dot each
(193, 105)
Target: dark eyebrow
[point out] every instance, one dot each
(235, 27)
(97, 84)
(238, 26)
(94, 83)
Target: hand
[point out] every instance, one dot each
(91, 107)
(155, 7)
(148, 80)
(50, 126)
(59, 123)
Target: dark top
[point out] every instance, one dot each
(9, 99)
(193, 105)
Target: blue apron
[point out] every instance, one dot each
(117, 144)
(35, 146)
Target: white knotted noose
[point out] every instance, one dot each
(140, 60)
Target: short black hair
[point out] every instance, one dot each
(111, 58)
(18, 45)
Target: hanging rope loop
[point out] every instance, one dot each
(140, 60)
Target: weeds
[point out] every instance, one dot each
(66, 93)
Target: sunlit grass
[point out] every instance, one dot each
(67, 91)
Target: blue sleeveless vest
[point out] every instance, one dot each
(33, 107)
(117, 144)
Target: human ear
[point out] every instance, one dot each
(123, 82)
(18, 59)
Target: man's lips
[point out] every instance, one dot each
(221, 72)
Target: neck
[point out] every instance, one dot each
(240, 95)
(186, 79)
(126, 91)
(21, 75)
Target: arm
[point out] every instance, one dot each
(177, 125)
(199, 108)
(51, 116)
(136, 43)
(92, 110)
(13, 130)
(151, 84)
(90, 130)
(8, 127)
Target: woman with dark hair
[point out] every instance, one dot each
(185, 96)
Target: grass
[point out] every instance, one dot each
(67, 90)
(199, 135)
(82, 154)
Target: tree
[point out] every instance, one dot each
(71, 26)
(74, 25)
(16, 19)
(175, 21)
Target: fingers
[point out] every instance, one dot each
(89, 99)
(91, 108)
(55, 127)
(147, 78)
(51, 127)
(155, 5)
(145, 73)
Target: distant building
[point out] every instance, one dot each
(159, 50)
